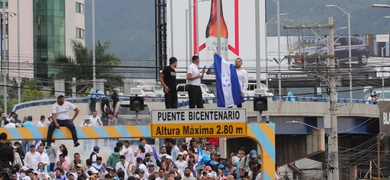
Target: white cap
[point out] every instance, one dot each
(60, 94)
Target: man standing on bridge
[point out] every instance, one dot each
(194, 78)
(168, 80)
(242, 78)
(61, 117)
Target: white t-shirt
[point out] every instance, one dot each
(95, 121)
(62, 111)
(31, 160)
(40, 124)
(148, 149)
(181, 165)
(194, 71)
(43, 158)
(243, 79)
(129, 152)
(10, 125)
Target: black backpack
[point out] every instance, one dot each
(93, 153)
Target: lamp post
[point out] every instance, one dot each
(339, 29)
(18, 41)
(300, 122)
(266, 48)
(3, 58)
(383, 77)
(93, 47)
(278, 30)
(349, 47)
(380, 5)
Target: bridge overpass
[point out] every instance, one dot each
(357, 123)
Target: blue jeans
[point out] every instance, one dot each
(67, 123)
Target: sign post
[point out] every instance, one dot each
(226, 122)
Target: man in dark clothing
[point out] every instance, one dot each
(104, 119)
(7, 155)
(168, 80)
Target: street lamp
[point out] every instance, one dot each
(266, 48)
(300, 122)
(380, 5)
(339, 29)
(93, 47)
(278, 30)
(349, 47)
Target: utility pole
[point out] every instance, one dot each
(4, 51)
(332, 170)
(333, 136)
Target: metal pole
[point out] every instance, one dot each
(266, 55)
(258, 63)
(187, 56)
(18, 41)
(171, 24)
(197, 28)
(278, 30)
(93, 46)
(190, 24)
(219, 26)
(333, 136)
(5, 110)
(383, 78)
(350, 56)
(379, 159)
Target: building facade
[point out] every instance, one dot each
(47, 28)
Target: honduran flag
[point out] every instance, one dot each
(228, 86)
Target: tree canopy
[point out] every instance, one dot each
(81, 65)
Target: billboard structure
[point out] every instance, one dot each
(238, 37)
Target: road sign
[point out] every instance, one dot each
(383, 72)
(199, 123)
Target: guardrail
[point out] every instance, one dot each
(185, 103)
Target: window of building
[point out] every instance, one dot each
(79, 33)
(79, 8)
(6, 3)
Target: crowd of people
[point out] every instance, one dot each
(175, 159)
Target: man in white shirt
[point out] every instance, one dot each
(40, 122)
(242, 78)
(140, 164)
(127, 151)
(11, 124)
(95, 120)
(194, 77)
(43, 157)
(148, 148)
(31, 159)
(122, 164)
(175, 150)
(61, 117)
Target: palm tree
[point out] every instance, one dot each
(80, 66)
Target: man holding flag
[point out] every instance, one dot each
(229, 90)
(242, 78)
